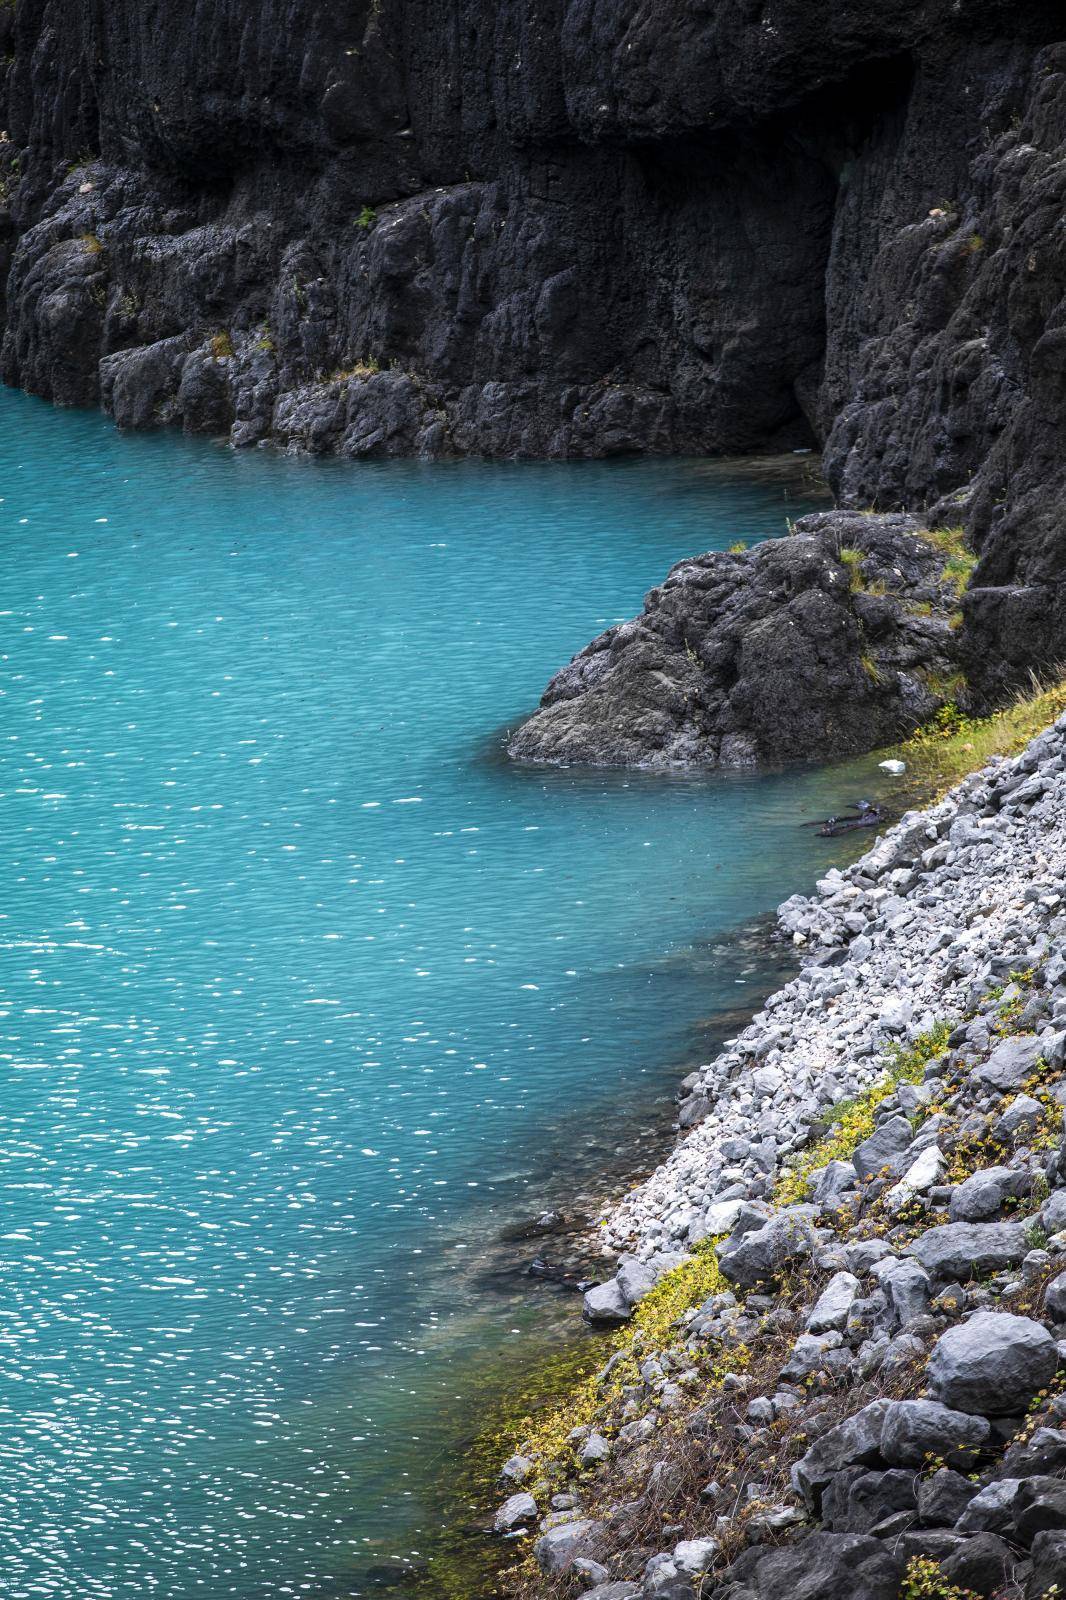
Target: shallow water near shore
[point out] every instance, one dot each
(306, 992)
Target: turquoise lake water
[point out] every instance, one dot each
(306, 992)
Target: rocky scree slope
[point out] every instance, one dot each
(840, 1365)
(559, 228)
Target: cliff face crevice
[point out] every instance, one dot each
(560, 228)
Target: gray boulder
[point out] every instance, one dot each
(1020, 1119)
(594, 1450)
(888, 1140)
(1055, 1298)
(634, 1278)
(1040, 1507)
(758, 1257)
(824, 1566)
(558, 1549)
(980, 1566)
(916, 1431)
(638, 1278)
(992, 1364)
(812, 1352)
(835, 1180)
(1049, 1566)
(695, 1555)
(907, 1286)
(964, 1250)
(871, 1498)
(992, 1508)
(1053, 1212)
(943, 1498)
(664, 1580)
(606, 1303)
(1042, 1454)
(833, 1304)
(1010, 1063)
(854, 1442)
(516, 1469)
(864, 1254)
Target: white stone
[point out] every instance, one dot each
(834, 1303)
(695, 1555)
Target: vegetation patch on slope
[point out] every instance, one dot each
(952, 745)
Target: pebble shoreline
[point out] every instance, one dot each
(896, 941)
(865, 1395)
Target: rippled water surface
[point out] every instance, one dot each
(306, 992)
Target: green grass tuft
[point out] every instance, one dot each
(959, 559)
(854, 1120)
(951, 744)
(851, 560)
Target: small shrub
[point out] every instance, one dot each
(222, 347)
(91, 244)
(923, 1580)
(679, 1291)
(366, 218)
(737, 548)
(652, 1329)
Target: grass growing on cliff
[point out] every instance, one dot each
(855, 1120)
(951, 744)
(959, 559)
(362, 369)
(852, 560)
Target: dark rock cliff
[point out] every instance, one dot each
(557, 227)
(820, 644)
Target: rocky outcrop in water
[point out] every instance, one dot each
(559, 228)
(852, 1385)
(836, 639)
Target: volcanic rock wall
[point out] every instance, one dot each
(562, 228)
